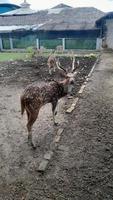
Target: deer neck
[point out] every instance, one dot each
(67, 87)
(65, 84)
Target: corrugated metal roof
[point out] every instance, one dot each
(20, 11)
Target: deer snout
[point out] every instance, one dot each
(72, 82)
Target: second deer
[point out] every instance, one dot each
(51, 63)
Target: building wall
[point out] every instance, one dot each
(109, 33)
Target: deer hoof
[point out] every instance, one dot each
(33, 147)
(56, 123)
(55, 112)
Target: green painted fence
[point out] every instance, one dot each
(80, 44)
(30, 41)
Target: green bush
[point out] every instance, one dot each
(31, 51)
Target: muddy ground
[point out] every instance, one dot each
(74, 172)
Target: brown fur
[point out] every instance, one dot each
(51, 64)
(34, 97)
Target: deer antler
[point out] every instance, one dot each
(60, 67)
(73, 64)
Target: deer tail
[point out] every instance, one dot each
(22, 105)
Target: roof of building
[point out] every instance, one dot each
(82, 18)
(7, 29)
(61, 5)
(20, 11)
(23, 10)
(4, 1)
(57, 9)
(109, 15)
(9, 5)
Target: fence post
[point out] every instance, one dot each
(99, 43)
(11, 42)
(63, 43)
(1, 43)
(37, 43)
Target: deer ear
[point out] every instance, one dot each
(63, 74)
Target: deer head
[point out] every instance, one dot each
(69, 76)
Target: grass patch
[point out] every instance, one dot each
(13, 56)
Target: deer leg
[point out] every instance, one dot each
(32, 119)
(54, 104)
(28, 115)
(54, 68)
(50, 71)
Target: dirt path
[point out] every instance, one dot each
(82, 166)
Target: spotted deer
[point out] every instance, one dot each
(34, 97)
(51, 62)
